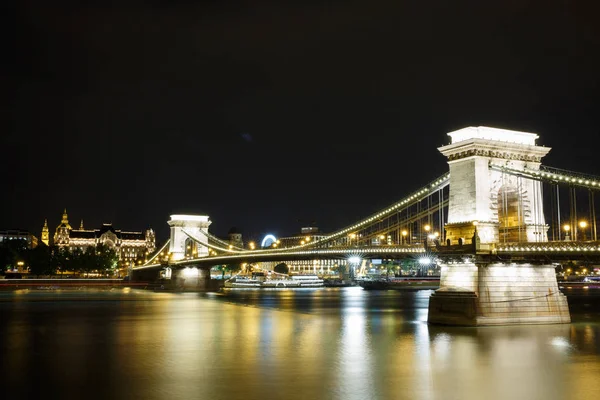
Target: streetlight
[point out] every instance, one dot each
(381, 238)
(583, 225)
(567, 229)
(404, 233)
(427, 229)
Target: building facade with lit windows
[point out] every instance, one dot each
(307, 234)
(16, 234)
(131, 247)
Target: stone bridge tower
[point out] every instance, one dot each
(181, 245)
(504, 207)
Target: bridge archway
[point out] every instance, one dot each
(510, 204)
(191, 248)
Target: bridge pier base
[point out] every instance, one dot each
(498, 294)
(194, 279)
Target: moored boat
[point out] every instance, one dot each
(308, 280)
(242, 282)
(283, 282)
(280, 283)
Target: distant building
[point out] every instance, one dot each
(129, 246)
(234, 236)
(17, 234)
(307, 234)
(46, 233)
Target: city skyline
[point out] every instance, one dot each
(270, 118)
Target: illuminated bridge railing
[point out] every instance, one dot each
(550, 248)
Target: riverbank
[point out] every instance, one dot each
(50, 284)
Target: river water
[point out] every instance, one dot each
(344, 343)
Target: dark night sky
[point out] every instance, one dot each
(267, 115)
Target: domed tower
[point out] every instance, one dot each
(46, 234)
(61, 236)
(235, 237)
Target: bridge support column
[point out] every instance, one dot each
(497, 294)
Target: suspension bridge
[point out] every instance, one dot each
(497, 223)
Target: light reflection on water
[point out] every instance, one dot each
(314, 344)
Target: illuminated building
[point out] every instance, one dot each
(46, 233)
(129, 246)
(235, 237)
(16, 234)
(307, 234)
(61, 235)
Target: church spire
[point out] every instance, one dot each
(45, 233)
(81, 225)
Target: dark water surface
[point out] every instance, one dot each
(281, 344)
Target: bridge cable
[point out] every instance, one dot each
(558, 226)
(593, 211)
(157, 253)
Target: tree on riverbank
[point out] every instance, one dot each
(11, 252)
(44, 260)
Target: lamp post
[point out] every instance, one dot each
(583, 225)
(404, 233)
(427, 229)
(567, 229)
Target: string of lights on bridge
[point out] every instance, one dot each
(550, 246)
(554, 177)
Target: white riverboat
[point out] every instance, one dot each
(308, 280)
(242, 282)
(282, 282)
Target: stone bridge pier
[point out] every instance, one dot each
(192, 278)
(492, 293)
